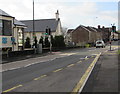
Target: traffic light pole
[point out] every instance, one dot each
(50, 44)
(48, 32)
(110, 42)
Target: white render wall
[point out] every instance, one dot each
(39, 34)
(15, 35)
(9, 43)
(59, 29)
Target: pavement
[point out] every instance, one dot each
(19, 58)
(104, 77)
(25, 61)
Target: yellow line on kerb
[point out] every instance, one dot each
(70, 65)
(86, 58)
(8, 90)
(79, 62)
(58, 70)
(81, 83)
(40, 77)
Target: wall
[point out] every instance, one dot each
(80, 36)
(16, 39)
(59, 29)
(7, 38)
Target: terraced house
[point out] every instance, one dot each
(83, 35)
(11, 32)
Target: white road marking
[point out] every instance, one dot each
(94, 54)
(92, 50)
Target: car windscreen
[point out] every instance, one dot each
(99, 42)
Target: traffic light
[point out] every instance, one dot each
(48, 31)
(113, 28)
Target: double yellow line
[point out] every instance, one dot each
(81, 83)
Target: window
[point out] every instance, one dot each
(7, 28)
(0, 27)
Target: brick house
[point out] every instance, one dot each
(80, 35)
(95, 34)
(106, 32)
(83, 35)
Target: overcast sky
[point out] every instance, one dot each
(72, 12)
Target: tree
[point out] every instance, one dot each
(27, 43)
(41, 41)
(52, 41)
(47, 43)
(59, 41)
(35, 42)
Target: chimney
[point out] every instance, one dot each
(103, 27)
(98, 26)
(57, 15)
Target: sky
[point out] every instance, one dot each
(72, 12)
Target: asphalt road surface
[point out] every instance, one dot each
(55, 75)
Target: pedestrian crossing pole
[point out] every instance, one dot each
(48, 32)
(50, 44)
(110, 42)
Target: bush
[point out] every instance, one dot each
(47, 43)
(41, 41)
(87, 45)
(35, 42)
(59, 41)
(119, 52)
(27, 43)
(52, 40)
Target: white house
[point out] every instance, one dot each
(40, 27)
(9, 28)
(68, 37)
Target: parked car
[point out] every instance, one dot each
(100, 43)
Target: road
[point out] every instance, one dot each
(59, 73)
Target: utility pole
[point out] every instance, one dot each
(33, 37)
(33, 22)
